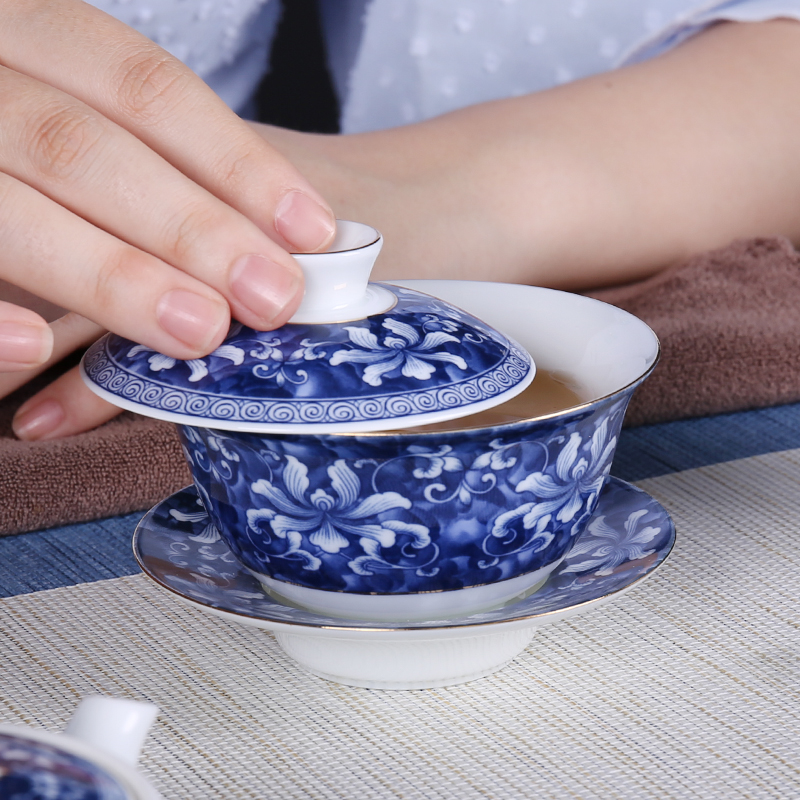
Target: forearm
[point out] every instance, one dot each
(601, 181)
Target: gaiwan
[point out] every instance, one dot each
(359, 460)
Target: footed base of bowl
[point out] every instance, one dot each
(411, 607)
(425, 664)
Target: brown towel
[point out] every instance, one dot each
(128, 464)
(729, 325)
(730, 333)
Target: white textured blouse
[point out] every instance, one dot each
(400, 61)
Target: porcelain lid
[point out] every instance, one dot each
(356, 357)
(30, 762)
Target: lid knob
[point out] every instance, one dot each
(337, 281)
(114, 725)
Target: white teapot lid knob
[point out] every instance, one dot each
(114, 725)
(337, 281)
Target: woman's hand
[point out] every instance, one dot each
(66, 406)
(130, 194)
(601, 181)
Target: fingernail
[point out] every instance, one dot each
(191, 318)
(39, 421)
(264, 287)
(26, 345)
(303, 222)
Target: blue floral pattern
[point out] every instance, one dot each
(406, 513)
(607, 547)
(628, 538)
(34, 770)
(401, 364)
(331, 520)
(564, 494)
(404, 350)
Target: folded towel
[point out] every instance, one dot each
(128, 464)
(729, 327)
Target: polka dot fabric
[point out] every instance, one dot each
(226, 42)
(421, 58)
(401, 61)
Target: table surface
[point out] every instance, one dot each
(686, 687)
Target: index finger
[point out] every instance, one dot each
(92, 56)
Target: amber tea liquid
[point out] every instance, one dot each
(545, 395)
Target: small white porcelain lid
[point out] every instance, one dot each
(356, 357)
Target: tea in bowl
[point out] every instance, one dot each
(359, 478)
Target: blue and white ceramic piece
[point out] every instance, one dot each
(34, 769)
(395, 359)
(94, 758)
(391, 525)
(490, 511)
(628, 538)
(398, 524)
(177, 546)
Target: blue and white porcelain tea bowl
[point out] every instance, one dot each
(371, 518)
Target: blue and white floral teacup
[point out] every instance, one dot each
(301, 446)
(429, 524)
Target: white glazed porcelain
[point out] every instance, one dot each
(599, 348)
(104, 734)
(410, 607)
(342, 294)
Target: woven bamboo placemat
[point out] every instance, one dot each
(688, 687)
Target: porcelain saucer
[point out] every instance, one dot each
(627, 539)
